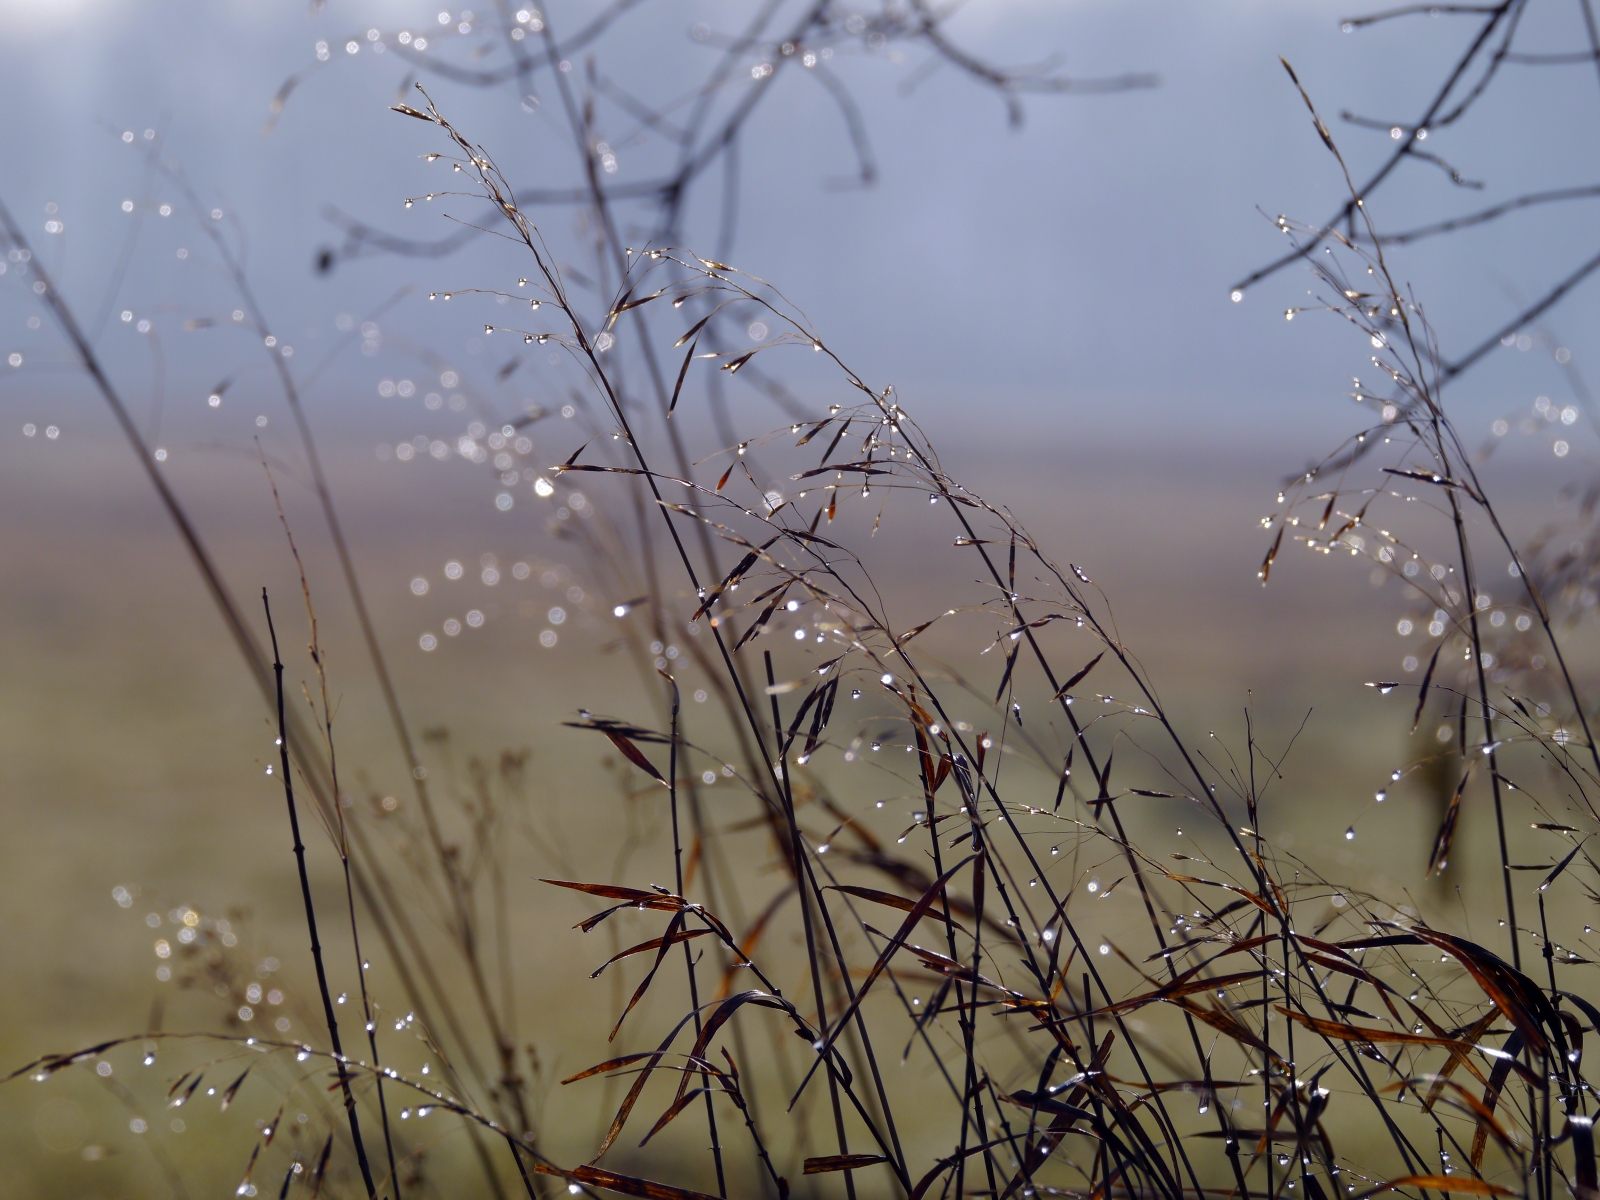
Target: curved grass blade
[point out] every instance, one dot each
(842, 1162)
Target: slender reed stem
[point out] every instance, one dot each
(311, 915)
(688, 951)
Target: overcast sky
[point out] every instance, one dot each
(1076, 269)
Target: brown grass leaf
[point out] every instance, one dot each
(232, 1090)
(1355, 1033)
(1227, 1024)
(682, 935)
(1491, 1094)
(842, 1162)
(629, 1185)
(1439, 858)
(888, 898)
(1422, 692)
(610, 1064)
(634, 755)
(1465, 1101)
(1513, 993)
(719, 1017)
(1079, 677)
(632, 1098)
(677, 388)
(1172, 991)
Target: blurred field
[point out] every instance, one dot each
(134, 748)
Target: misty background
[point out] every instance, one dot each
(1076, 269)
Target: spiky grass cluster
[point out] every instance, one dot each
(1077, 1004)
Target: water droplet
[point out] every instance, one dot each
(1381, 795)
(1350, 834)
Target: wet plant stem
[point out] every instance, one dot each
(311, 914)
